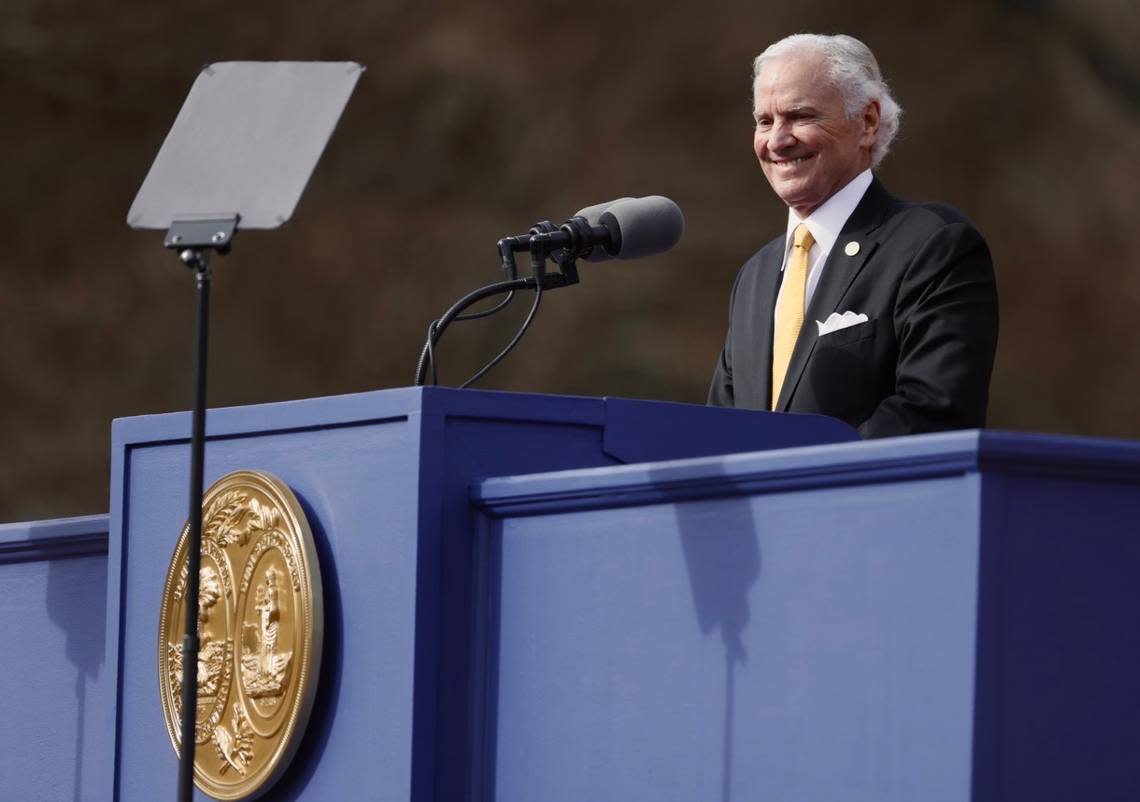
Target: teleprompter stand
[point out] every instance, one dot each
(240, 152)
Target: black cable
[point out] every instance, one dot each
(433, 337)
(539, 246)
(510, 346)
(456, 309)
(503, 304)
(429, 350)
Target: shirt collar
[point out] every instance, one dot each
(826, 222)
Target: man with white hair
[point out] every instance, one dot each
(873, 310)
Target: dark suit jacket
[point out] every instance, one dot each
(922, 361)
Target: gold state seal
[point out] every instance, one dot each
(260, 627)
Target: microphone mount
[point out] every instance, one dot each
(626, 228)
(541, 243)
(576, 238)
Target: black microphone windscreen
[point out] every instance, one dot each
(593, 214)
(648, 225)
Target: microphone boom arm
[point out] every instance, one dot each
(540, 246)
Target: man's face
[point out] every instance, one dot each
(807, 147)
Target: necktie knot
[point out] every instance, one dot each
(802, 237)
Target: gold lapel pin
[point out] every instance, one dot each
(851, 248)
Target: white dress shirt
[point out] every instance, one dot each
(825, 225)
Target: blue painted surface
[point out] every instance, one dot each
(829, 465)
(55, 682)
(358, 484)
(384, 479)
(757, 646)
(944, 617)
(1060, 706)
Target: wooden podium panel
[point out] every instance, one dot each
(55, 684)
(383, 478)
(947, 617)
(532, 597)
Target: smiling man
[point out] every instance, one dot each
(873, 310)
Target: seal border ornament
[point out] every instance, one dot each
(306, 584)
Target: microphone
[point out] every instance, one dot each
(593, 214)
(625, 228)
(638, 227)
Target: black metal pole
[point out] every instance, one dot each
(199, 261)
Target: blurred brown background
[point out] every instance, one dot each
(474, 121)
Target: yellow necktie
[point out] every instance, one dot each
(790, 308)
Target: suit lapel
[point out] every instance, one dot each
(839, 272)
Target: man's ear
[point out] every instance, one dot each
(870, 122)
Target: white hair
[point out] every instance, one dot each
(854, 71)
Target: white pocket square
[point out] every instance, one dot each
(836, 321)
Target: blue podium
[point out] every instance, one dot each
(947, 617)
(546, 598)
(384, 480)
